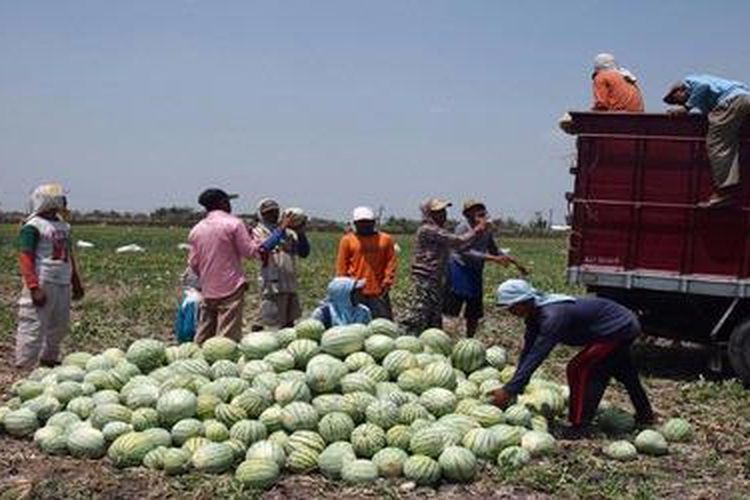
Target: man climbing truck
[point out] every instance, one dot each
(640, 235)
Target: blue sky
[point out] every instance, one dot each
(326, 104)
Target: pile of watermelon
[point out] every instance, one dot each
(355, 403)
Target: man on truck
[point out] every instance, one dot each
(604, 329)
(727, 104)
(614, 88)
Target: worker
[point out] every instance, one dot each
(218, 243)
(432, 247)
(50, 278)
(280, 305)
(604, 329)
(615, 88)
(466, 266)
(343, 304)
(727, 104)
(370, 255)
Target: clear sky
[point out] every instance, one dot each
(135, 104)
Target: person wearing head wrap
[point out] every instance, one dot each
(218, 244)
(432, 247)
(603, 328)
(50, 279)
(342, 305)
(614, 88)
(369, 254)
(280, 305)
(727, 105)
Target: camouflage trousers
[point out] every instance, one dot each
(425, 307)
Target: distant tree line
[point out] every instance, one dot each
(188, 216)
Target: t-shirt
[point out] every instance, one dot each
(369, 257)
(578, 323)
(465, 267)
(613, 92)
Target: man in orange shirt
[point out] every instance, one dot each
(615, 88)
(370, 255)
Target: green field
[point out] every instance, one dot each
(134, 295)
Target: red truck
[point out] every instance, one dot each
(639, 237)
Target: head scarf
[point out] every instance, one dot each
(45, 198)
(606, 61)
(339, 301)
(515, 291)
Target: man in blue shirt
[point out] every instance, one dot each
(604, 329)
(466, 266)
(727, 104)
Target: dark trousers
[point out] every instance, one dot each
(589, 373)
(379, 305)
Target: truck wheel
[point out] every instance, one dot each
(739, 351)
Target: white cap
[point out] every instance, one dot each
(363, 213)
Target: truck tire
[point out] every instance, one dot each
(739, 351)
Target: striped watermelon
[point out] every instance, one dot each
(271, 418)
(144, 418)
(154, 459)
(359, 472)
(483, 374)
(357, 382)
(302, 459)
(310, 329)
(292, 390)
(229, 414)
(513, 457)
(467, 389)
(468, 355)
(409, 343)
(254, 368)
(384, 414)
(286, 336)
(113, 430)
(355, 405)
(383, 326)
(129, 449)
(281, 360)
(430, 441)
(458, 464)
(51, 440)
(213, 458)
(376, 373)
(176, 461)
(146, 354)
(438, 401)
(248, 431)
(224, 368)
(440, 374)
(175, 405)
(390, 462)
(378, 346)
(497, 357)
(422, 469)
(305, 439)
(82, 406)
(328, 403)
(508, 435)
(194, 443)
(340, 341)
(258, 345)
(217, 348)
(412, 380)
(110, 412)
(459, 424)
(303, 350)
(64, 419)
(358, 360)
(399, 436)
(299, 416)
(398, 361)
(518, 414)
(215, 431)
(368, 439)
(484, 443)
(487, 415)
(324, 372)
(336, 426)
(253, 402)
(437, 341)
(185, 429)
(267, 450)
(257, 473)
(410, 412)
(332, 459)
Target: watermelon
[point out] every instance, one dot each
(513, 457)
(410, 412)
(229, 414)
(340, 341)
(378, 346)
(302, 351)
(384, 414)
(146, 354)
(383, 326)
(409, 343)
(248, 432)
(254, 368)
(368, 439)
(215, 431)
(358, 360)
(128, 450)
(458, 464)
(257, 473)
(213, 458)
(437, 341)
(497, 357)
(677, 430)
(440, 374)
(141, 396)
(390, 462)
(310, 329)
(224, 368)
(51, 440)
(185, 429)
(43, 406)
(359, 471)
(176, 461)
(144, 418)
(78, 359)
(328, 403)
(484, 443)
(286, 336)
(64, 420)
(487, 415)
(267, 450)
(467, 389)
(412, 380)
(258, 345)
(175, 405)
(217, 348)
(398, 361)
(355, 405)
(289, 391)
(332, 459)
(110, 412)
(113, 430)
(438, 401)
(468, 355)
(298, 416)
(651, 442)
(431, 441)
(324, 372)
(518, 414)
(336, 426)
(354, 382)
(154, 459)
(253, 402)
(537, 443)
(376, 373)
(422, 469)
(621, 450)
(399, 436)
(302, 459)
(615, 421)
(271, 418)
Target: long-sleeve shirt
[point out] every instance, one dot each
(218, 243)
(585, 321)
(369, 257)
(278, 273)
(432, 249)
(614, 92)
(467, 265)
(707, 92)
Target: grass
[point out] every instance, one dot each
(134, 295)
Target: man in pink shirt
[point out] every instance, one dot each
(218, 243)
